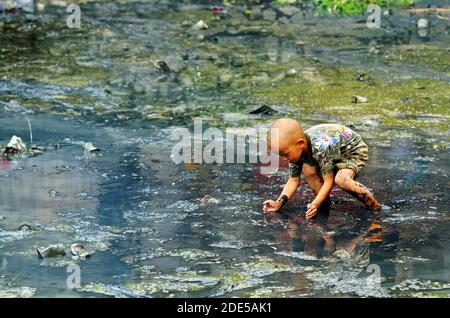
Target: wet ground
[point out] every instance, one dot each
(141, 215)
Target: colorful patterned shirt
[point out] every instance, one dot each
(327, 144)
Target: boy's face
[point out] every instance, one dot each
(291, 152)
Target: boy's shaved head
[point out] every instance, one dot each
(287, 131)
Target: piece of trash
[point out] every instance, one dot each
(51, 251)
(405, 99)
(15, 145)
(200, 25)
(362, 77)
(2, 217)
(291, 72)
(57, 146)
(385, 207)
(162, 67)
(219, 11)
(25, 226)
(263, 111)
(358, 99)
(35, 150)
(79, 250)
(207, 199)
(216, 10)
(422, 23)
(54, 193)
(89, 146)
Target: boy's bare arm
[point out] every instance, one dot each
(289, 188)
(324, 192)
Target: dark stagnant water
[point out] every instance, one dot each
(141, 215)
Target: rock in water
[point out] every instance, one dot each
(263, 111)
(269, 14)
(51, 251)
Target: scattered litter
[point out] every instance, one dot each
(422, 23)
(90, 147)
(207, 199)
(200, 25)
(162, 67)
(358, 99)
(79, 250)
(51, 251)
(15, 145)
(25, 226)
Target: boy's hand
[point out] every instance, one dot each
(312, 211)
(270, 206)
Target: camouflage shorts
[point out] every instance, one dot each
(355, 160)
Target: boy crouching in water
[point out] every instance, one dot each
(326, 154)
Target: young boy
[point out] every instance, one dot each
(326, 154)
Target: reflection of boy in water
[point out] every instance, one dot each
(318, 240)
(326, 154)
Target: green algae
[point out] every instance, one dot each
(417, 102)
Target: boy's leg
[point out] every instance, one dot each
(344, 180)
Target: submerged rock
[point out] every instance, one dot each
(51, 251)
(289, 10)
(269, 14)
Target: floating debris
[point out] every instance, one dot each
(54, 193)
(90, 147)
(79, 250)
(162, 67)
(200, 25)
(422, 23)
(291, 72)
(15, 145)
(263, 111)
(358, 99)
(207, 199)
(363, 77)
(25, 226)
(51, 251)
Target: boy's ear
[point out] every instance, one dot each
(301, 142)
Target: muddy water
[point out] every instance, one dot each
(141, 216)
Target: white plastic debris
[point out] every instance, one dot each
(89, 146)
(358, 99)
(422, 23)
(200, 25)
(15, 145)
